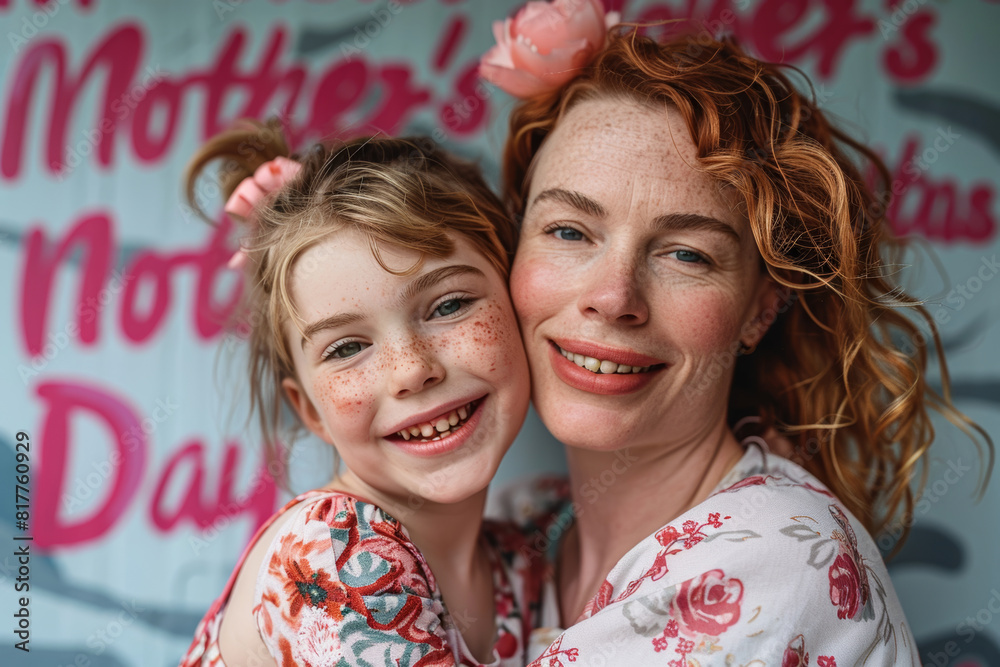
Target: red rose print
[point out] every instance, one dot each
(708, 604)
(667, 536)
(845, 586)
(795, 653)
(826, 661)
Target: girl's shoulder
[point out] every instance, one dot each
(341, 577)
(229, 620)
(230, 623)
(348, 540)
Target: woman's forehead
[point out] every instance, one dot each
(619, 150)
(620, 133)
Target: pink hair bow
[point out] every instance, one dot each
(268, 177)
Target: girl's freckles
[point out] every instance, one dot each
(344, 393)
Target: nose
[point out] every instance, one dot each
(414, 365)
(613, 290)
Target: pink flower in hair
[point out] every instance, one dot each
(545, 45)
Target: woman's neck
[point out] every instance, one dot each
(621, 497)
(448, 537)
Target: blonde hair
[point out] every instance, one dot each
(830, 373)
(400, 192)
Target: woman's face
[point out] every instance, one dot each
(420, 380)
(634, 281)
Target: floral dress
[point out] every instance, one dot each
(342, 584)
(769, 570)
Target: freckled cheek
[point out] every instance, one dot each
(345, 395)
(706, 323)
(484, 343)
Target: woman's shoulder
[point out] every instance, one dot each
(771, 554)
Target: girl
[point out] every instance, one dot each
(378, 267)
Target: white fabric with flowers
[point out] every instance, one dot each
(769, 570)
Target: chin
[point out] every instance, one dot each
(580, 436)
(585, 424)
(459, 481)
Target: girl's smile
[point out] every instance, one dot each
(413, 375)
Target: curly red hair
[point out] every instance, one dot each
(831, 373)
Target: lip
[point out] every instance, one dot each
(611, 384)
(604, 352)
(431, 414)
(446, 444)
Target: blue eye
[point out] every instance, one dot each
(448, 307)
(689, 257)
(567, 234)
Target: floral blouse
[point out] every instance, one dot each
(769, 570)
(342, 585)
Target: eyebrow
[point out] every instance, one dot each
(695, 221)
(412, 288)
(662, 223)
(431, 278)
(332, 322)
(577, 200)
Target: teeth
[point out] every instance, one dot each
(439, 428)
(602, 366)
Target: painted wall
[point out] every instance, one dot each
(144, 482)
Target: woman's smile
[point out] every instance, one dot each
(633, 279)
(603, 375)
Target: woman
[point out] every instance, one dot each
(697, 254)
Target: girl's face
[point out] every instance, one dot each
(420, 381)
(634, 281)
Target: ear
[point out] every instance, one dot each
(305, 409)
(770, 299)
